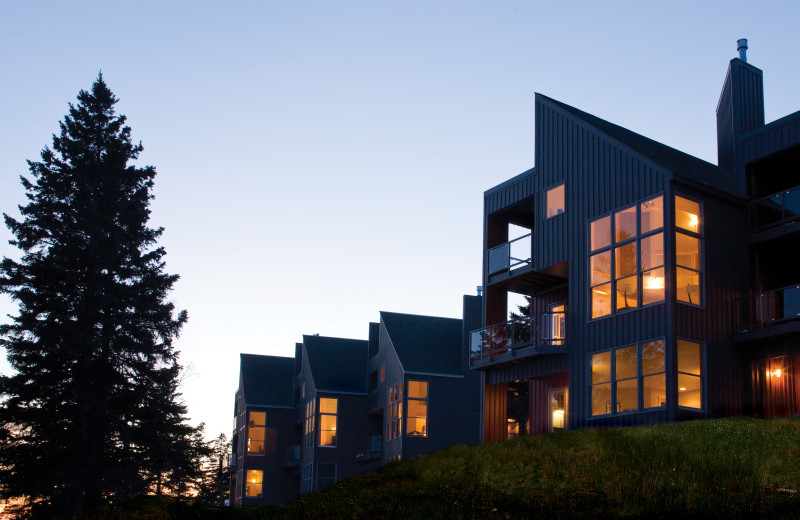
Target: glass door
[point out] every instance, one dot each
(558, 409)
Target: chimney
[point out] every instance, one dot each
(741, 46)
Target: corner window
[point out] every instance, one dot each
(254, 483)
(395, 411)
(328, 409)
(628, 379)
(688, 250)
(628, 272)
(690, 374)
(417, 420)
(555, 201)
(255, 433)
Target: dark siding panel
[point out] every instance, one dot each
(494, 425)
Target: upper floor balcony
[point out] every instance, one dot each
(769, 314)
(229, 463)
(775, 214)
(542, 333)
(511, 265)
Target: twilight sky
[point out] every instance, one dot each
(320, 161)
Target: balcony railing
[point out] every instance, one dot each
(291, 456)
(229, 462)
(779, 208)
(546, 329)
(371, 448)
(769, 308)
(511, 255)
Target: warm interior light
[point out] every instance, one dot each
(693, 221)
(600, 292)
(654, 282)
(682, 389)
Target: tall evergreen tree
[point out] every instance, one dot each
(92, 410)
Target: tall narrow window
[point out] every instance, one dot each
(255, 433)
(654, 381)
(417, 419)
(690, 374)
(555, 201)
(308, 427)
(328, 409)
(395, 411)
(601, 383)
(688, 249)
(558, 324)
(625, 371)
(253, 485)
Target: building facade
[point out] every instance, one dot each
(661, 287)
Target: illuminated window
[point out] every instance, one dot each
(555, 201)
(255, 433)
(395, 411)
(690, 374)
(417, 401)
(628, 379)
(254, 482)
(688, 249)
(327, 421)
(383, 373)
(629, 272)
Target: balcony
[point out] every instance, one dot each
(229, 463)
(511, 255)
(543, 333)
(776, 214)
(371, 448)
(291, 456)
(769, 313)
(510, 265)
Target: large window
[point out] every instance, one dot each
(395, 408)
(254, 483)
(417, 420)
(555, 201)
(690, 374)
(328, 409)
(255, 433)
(688, 247)
(628, 379)
(626, 260)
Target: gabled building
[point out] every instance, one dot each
(662, 287)
(263, 433)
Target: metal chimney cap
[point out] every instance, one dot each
(741, 46)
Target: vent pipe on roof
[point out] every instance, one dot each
(480, 290)
(742, 48)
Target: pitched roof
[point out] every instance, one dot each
(337, 364)
(682, 165)
(425, 343)
(266, 380)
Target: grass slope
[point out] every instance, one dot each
(739, 467)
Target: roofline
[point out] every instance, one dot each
(512, 180)
(318, 390)
(246, 404)
(419, 316)
(436, 374)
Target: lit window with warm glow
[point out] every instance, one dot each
(555, 201)
(255, 433)
(690, 374)
(254, 483)
(394, 415)
(308, 424)
(417, 402)
(688, 251)
(628, 273)
(327, 421)
(628, 379)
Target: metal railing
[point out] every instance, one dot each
(546, 329)
(229, 462)
(291, 456)
(776, 209)
(769, 308)
(371, 448)
(511, 255)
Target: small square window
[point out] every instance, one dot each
(555, 201)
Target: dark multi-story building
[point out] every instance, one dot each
(661, 287)
(264, 440)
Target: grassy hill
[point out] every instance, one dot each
(739, 467)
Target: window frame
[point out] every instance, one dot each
(335, 429)
(639, 378)
(249, 426)
(701, 376)
(614, 246)
(245, 484)
(563, 201)
(699, 235)
(426, 399)
(394, 411)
